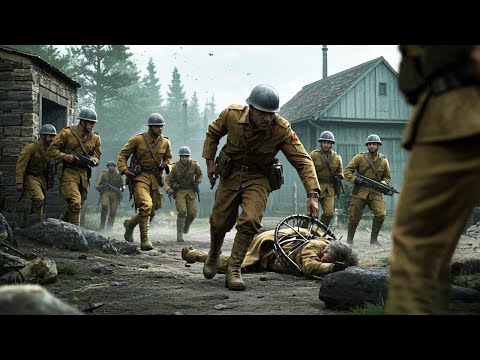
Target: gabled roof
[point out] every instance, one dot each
(316, 97)
(42, 63)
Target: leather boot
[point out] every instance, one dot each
(190, 255)
(103, 218)
(351, 232)
(74, 218)
(233, 279)
(180, 224)
(65, 215)
(326, 219)
(130, 226)
(376, 226)
(210, 267)
(145, 243)
(188, 222)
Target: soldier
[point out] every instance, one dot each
(248, 173)
(78, 148)
(440, 185)
(320, 256)
(152, 152)
(329, 168)
(182, 183)
(110, 195)
(34, 175)
(372, 165)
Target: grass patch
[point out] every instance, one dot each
(67, 268)
(369, 309)
(385, 260)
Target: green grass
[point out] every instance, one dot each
(67, 268)
(369, 309)
(385, 260)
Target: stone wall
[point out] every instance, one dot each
(23, 85)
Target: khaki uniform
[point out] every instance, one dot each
(186, 176)
(146, 188)
(364, 195)
(74, 181)
(109, 198)
(326, 178)
(32, 165)
(440, 189)
(248, 185)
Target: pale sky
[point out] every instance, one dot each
(230, 72)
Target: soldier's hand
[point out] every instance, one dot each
(338, 266)
(212, 172)
(312, 207)
(70, 158)
(170, 191)
(128, 173)
(20, 187)
(163, 165)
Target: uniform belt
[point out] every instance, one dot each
(32, 172)
(246, 168)
(74, 165)
(324, 179)
(153, 171)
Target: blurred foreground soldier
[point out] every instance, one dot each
(35, 172)
(372, 165)
(248, 173)
(319, 256)
(329, 168)
(151, 154)
(110, 185)
(78, 148)
(30, 299)
(182, 183)
(440, 185)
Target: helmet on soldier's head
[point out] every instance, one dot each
(184, 150)
(327, 136)
(373, 138)
(111, 163)
(48, 129)
(156, 119)
(88, 114)
(264, 98)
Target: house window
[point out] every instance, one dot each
(382, 88)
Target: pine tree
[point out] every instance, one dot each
(49, 53)
(151, 90)
(174, 111)
(193, 115)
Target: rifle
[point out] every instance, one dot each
(384, 189)
(106, 186)
(135, 169)
(84, 161)
(338, 185)
(174, 186)
(197, 190)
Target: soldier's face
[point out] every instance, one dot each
(49, 139)
(184, 159)
(262, 119)
(156, 129)
(326, 145)
(88, 125)
(373, 147)
(326, 256)
(111, 168)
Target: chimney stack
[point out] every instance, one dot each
(324, 49)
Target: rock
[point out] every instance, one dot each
(10, 262)
(42, 271)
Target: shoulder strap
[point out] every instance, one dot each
(326, 162)
(370, 162)
(150, 148)
(40, 152)
(79, 141)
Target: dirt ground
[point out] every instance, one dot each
(158, 282)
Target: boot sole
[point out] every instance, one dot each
(235, 288)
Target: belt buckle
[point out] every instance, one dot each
(244, 168)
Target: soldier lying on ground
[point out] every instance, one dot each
(319, 256)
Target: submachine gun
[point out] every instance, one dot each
(384, 189)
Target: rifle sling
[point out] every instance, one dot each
(326, 162)
(370, 162)
(40, 152)
(79, 142)
(150, 148)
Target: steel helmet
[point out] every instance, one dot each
(264, 98)
(111, 163)
(48, 129)
(327, 136)
(184, 150)
(88, 114)
(156, 119)
(373, 138)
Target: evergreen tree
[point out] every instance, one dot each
(49, 53)
(174, 111)
(193, 115)
(151, 90)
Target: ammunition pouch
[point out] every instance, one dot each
(275, 176)
(224, 164)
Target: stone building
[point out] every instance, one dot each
(32, 93)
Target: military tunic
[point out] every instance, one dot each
(252, 153)
(109, 197)
(146, 189)
(186, 176)
(74, 178)
(364, 195)
(325, 178)
(440, 188)
(32, 165)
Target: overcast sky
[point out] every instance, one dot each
(231, 71)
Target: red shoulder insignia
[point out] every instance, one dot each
(294, 136)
